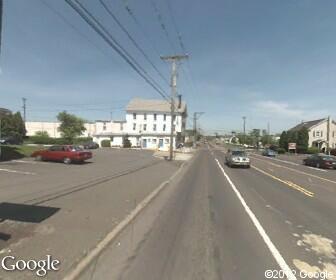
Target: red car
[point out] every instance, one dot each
(64, 153)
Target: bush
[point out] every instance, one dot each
(127, 143)
(281, 151)
(106, 143)
(313, 150)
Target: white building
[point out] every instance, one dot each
(319, 132)
(52, 129)
(147, 125)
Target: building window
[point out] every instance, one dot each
(111, 138)
(134, 116)
(145, 116)
(154, 127)
(154, 140)
(321, 133)
(164, 127)
(145, 127)
(155, 117)
(164, 117)
(317, 134)
(134, 126)
(121, 126)
(104, 126)
(314, 133)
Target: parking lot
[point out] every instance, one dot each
(64, 209)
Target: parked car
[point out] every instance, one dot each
(237, 158)
(63, 153)
(90, 145)
(10, 141)
(269, 153)
(320, 161)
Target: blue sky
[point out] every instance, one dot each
(271, 61)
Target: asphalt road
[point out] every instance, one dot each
(218, 222)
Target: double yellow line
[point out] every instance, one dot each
(288, 183)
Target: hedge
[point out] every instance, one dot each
(106, 143)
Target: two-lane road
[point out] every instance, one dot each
(231, 223)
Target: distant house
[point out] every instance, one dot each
(148, 125)
(4, 112)
(319, 131)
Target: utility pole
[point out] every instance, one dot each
(1, 20)
(196, 117)
(244, 129)
(173, 59)
(24, 109)
(328, 135)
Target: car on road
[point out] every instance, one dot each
(237, 158)
(269, 153)
(63, 153)
(90, 145)
(320, 161)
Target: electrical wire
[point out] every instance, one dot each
(109, 39)
(109, 11)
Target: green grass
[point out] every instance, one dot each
(9, 152)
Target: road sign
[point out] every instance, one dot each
(291, 146)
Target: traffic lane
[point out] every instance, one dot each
(53, 176)
(328, 174)
(302, 227)
(84, 217)
(318, 184)
(202, 232)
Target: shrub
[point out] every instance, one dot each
(106, 143)
(281, 151)
(313, 150)
(126, 142)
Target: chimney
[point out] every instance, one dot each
(179, 101)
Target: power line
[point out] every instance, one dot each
(162, 25)
(108, 10)
(66, 21)
(116, 43)
(109, 39)
(132, 15)
(182, 45)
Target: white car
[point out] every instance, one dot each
(237, 158)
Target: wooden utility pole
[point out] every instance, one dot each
(173, 59)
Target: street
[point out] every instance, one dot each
(230, 223)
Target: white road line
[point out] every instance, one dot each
(16, 171)
(274, 251)
(280, 160)
(318, 169)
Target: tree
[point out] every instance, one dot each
(12, 125)
(302, 140)
(43, 134)
(283, 142)
(126, 142)
(71, 126)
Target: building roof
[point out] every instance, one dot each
(153, 105)
(307, 125)
(4, 112)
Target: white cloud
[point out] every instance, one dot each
(282, 109)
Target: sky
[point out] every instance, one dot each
(269, 60)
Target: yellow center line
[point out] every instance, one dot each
(288, 183)
(297, 171)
